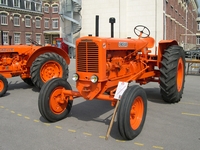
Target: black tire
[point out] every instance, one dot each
(133, 96)
(3, 85)
(28, 81)
(45, 100)
(39, 64)
(172, 74)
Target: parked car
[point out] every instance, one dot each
(193, 53)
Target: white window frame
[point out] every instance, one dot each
(55, 23)
(198, 26)
(4, 19)
(4, 2)
(55, 9)
(46, 23)
(38, 38)
(16, 20)
(5, 38)
(28, 35)
(17, 39)
(198, 40)
(38, 6)
(27, 21)
(46, 8)
(27, 4)
(38, 23)
(16, 3)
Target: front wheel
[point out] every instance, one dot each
(172, 74)
(132, 112)
(50, 103)
(3, 85)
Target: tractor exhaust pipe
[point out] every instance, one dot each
(97, 26)
(112, 21)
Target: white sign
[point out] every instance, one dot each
(122, 86)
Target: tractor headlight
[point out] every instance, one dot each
(75, 77)
(94, 79)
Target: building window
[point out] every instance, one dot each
(17, 38)
(38, 6)
(46, 8)
(4, 19)
(198, 26)
(5, 38)
(55, 23)
(28, 22)
(38, 38)
(28, 37)
(55, 8)
(27, 4)
(16, 21)
(198, 40)
(37, 22)
(46, 23)
(16, 3)
(4, 2)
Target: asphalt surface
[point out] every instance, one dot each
(167, 126)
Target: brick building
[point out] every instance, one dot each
(181, 21)
(51, 21)
(24, 19)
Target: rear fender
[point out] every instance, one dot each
(162, 46)
(47, 49)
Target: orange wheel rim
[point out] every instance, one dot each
(49, 70)
(180, 74)
(136, 113)
(57, 104)
(1, 85)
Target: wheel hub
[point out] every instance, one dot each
(51, 70)
(136, 113)
(1, 85)
(57, 104)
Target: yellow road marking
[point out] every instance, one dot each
(19, 115)
(58, 127)
(85, 133)
(140, 144)
(71, 130)
(2, 106)
(26, 117)
(197, 115)
(102, 137)
(12, 112)
(190, 103)
(36, 120)
(47, 124)
(120, 141)
(158, 147)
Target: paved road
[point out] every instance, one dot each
(167, 126)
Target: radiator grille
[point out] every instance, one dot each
(87, 54)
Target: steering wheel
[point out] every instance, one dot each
(33, 42)
(141, 31)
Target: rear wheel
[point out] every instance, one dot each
(132, 112)
(48, 66)
(50, 103)
(3, 85)
(172, 74)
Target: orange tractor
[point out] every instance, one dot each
(33, 63)
(103, 63)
